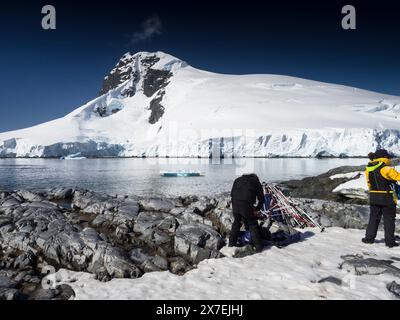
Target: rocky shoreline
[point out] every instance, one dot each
(42, 231)
(111, 237)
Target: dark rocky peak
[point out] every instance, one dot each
(121, 73)
(153, 67)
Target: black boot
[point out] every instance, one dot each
(369, 241)
(392, 245)
(256, 238)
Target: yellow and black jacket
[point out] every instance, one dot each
(380, 177)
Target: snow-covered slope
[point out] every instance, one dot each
(153, 104)
(293, 272)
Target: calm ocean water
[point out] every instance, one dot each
(142, 176)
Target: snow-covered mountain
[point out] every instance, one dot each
(153, 104)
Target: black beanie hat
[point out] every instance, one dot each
(382, 153)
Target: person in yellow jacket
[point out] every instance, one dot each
(382, 197)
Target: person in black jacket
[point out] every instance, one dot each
(245, 191)
(382, 198)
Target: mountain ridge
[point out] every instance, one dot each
(154, 104)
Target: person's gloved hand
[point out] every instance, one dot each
(257, 213)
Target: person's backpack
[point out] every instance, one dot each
(244, 189)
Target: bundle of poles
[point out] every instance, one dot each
(283, 206)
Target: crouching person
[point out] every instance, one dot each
(245, 191)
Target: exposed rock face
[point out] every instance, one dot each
(331, 279)
(124, 237)
(336, 214)
(394, 288)
(155, 80)
(198, 242)
(321, 186)
(111, 237)
(156, 108)
(138, 72)
(359, 265)
(137, 69)
(121, 73)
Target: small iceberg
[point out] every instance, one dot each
(181, 173)
(75, 156)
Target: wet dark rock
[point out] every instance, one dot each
(64, 292)
(160, 262)
(43, 294)
(138, 256)
(9, 202)
(112, 260)
(244, 251)
(128, 210)
(4, 194)
(321, 186)
(42, 204)
(62, 193)
(6, 282)
(30, 196)
(191, 214)
(102, 220)
(5, 221)
(147, 221)
(8, 290)
(109, 236)
(91, 202)
(156, 204)
(197, 242)
(336, 214)
(156, 230)
(359, 265)
(222, 219)
(122, 232)
(187, 200)
(178, 265)
(61, 292)
(8, 293)
(147, 262)
(331, 279)
(203, 205)
(25, 260)
(394, 288)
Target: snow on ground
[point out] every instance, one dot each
(349, 175)
(288, 273)
(355, 188)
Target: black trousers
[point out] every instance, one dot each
(243, 213)
(389, 216)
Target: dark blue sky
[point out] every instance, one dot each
(46, 74)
